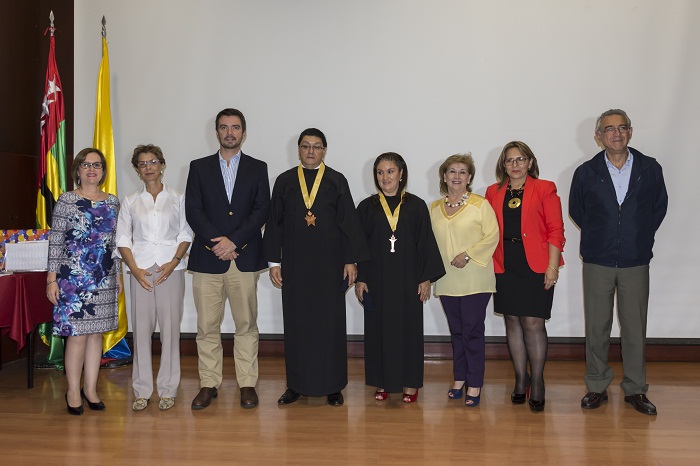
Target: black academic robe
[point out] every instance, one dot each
(394, 317)
(313, 260)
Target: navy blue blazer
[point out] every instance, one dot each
(240, 219)
(614, 235)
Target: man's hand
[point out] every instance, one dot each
(224, 248)
(276, 276)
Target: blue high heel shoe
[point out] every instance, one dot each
(475, 400)
(455, 393)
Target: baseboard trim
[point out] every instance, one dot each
(439, 347)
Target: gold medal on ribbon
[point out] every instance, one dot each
(392, 217)
(310, 198)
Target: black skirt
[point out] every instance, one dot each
(519, 290)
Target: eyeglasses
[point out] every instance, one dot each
(154, 162)
(514, 161)
(95, 165)
(623, 129)
(308, 148)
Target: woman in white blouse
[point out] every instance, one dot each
(152, 238)
(466, 231)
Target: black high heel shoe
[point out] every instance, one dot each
(74, 411)
(520, 398)
(536, 406)
(99, 406)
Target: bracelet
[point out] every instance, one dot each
(179, 259)
(556, 270)
(52, 281)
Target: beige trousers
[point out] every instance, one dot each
(210, 293)
(163, 305)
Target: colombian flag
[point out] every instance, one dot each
(113, 343)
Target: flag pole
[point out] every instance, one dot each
(54, 359)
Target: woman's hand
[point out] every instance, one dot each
(165, 270)
(52, 292)
(350, 272)
(424, 290)
(140, 276)
(459, 261)
(551, 275)
(360, 288)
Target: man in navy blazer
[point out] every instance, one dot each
(227, 202)
(618, 199)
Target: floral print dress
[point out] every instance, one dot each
(81, 244)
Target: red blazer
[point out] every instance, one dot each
(541, 222)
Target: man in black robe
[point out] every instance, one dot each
(313, 239)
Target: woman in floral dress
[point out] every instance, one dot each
(82, 281)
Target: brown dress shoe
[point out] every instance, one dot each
(203, 398)
(249, 399)
(641, 403)
(592, 400)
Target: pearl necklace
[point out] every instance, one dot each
(461, 202)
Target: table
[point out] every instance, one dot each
(23, 306)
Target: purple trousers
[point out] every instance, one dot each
(465, 317)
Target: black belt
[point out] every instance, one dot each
(514, 240)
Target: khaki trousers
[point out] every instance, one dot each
(600, 285)
(163, 305)
(210, 293)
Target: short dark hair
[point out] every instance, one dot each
(400, 163)
(467, 160)
(147, 149)
(313, 132)
(230, 112)
(80, 158)
(502, 175)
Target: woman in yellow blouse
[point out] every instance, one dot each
(466, 230)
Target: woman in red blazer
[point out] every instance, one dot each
(526, 262)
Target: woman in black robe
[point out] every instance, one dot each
(395, 282)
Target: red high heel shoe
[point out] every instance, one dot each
(381, 395)
(410, 398)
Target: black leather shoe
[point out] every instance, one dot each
(641, 403)
(288, 397)
(99, 406)
(536, 406)
(249, 399)
(77, 411)
(203, 398)
(336, 399)
(518, 398)
(592, 400)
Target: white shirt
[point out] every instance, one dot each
(229, 170)
(153, 230)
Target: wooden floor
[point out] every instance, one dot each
(35, 428)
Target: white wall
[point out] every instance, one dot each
(425, 79)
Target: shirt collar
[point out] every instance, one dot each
(627, 164)
(223, 161)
